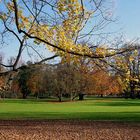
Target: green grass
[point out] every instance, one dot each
(89, 109)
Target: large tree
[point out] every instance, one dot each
(58, 25)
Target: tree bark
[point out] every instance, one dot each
(101, 96)
(24, 96)
(132, 92)
(81, 96)
(60, 98)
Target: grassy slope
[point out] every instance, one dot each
(95, 109)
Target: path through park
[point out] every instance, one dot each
(68, 130)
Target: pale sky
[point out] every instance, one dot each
(127, 13)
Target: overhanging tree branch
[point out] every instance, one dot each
(92, 55)
(46, 59)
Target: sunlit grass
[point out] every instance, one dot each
(90, 109)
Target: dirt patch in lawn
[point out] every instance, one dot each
(68, 130)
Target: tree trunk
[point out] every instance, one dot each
(81, 96)
(132, 92)
(71, 97)
(101, 96)
(126, 95)
(59, 98)
(138, 95)
(74, 97)
(36, 95)
(24, 96)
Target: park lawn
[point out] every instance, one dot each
(89, 109)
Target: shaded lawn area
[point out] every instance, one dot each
(89, 109)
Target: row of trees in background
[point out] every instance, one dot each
(61, 26)
(64, 80)
(118, 75)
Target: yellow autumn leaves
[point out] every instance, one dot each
(69, 6)
(63, 34)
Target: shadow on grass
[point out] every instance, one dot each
(110, 116)
(26, 101)
(123, 104)
(94, 102)
(116, 103)
(34, 101)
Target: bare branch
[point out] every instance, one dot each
(46, 59)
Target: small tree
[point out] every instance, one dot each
(23, 79)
